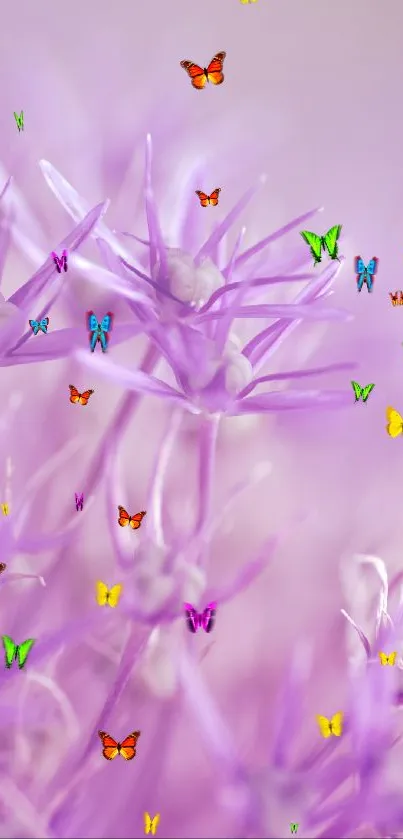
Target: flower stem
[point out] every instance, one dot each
(207, 461)
(119, 423)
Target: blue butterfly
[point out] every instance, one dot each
(365, 273)
(99, 331)
(37, 325)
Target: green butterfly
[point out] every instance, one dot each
(328, 243)
(362, 391)
(19, 652)
(294, 826)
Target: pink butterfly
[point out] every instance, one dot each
(205, 619)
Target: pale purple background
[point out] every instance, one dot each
(312, 98)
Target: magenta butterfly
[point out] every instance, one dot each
(205, 619)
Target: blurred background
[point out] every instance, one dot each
(311, 99)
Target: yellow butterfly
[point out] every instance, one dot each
(332, 726)
(109, 596)
(395, 422)
(5, 509)
(247, 1)
(150, 825)
(387, 659)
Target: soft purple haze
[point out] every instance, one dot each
(267, 513)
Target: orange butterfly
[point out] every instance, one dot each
(134, 521)
(127, 748)
(212, 199)
(79, 398)
(199, 75)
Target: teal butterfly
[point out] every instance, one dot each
(362, 391)
(19, 652)
(328, 243)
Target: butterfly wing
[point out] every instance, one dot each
(195, 73)
(324, 726)
(383, 659)
(34, 326)
(128, 746)
(154, 823)
(114, 595)
(331, 241)
(395, 422)
(10, 649)
(204, 199)
(315, 245)
(208, 617)
(44, 325)
(357, 390)
(192, 617)
(23, 650)
(110, 746)
(360, 268)
(214, 70)
(135, 521)
(101, 593)
(107, 321)
(392, 658)
(366, 391)
(372, 266)
(336, 724)
(84, 397)
(147, 823)
(74, 394)
(3, 567)
(124, 517)
(214, 196)
(92, 322)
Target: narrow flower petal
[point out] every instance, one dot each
(258, 282)
(6, 187)
(63, 342)
(107, 280)
(297, 374)
(291, 401)
(212, 724)
(287, 311)
(77, 207)
(363, 638)
(297, 222)
(133, 380)
(261, 347)
(226, 224)
(26, 296)
(157, 250)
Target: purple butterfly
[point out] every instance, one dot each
(205, 619)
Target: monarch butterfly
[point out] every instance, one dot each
(111, 748)
(387, 659)
(134, 521)
(3, 567)
(395, 422)
(105, 595)
(200, 76)
(79, 398)
(212, 199)
(333, 726)
(150, 825)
